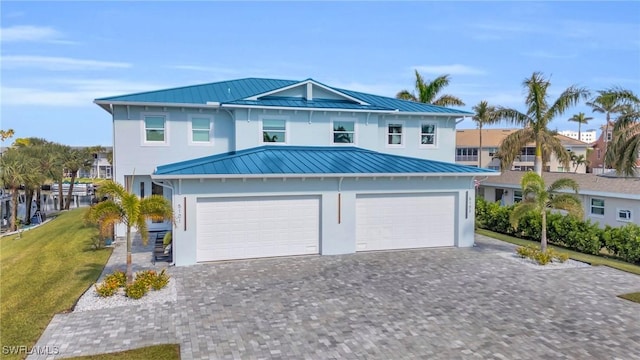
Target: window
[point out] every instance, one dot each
(142, 189)
(597, 207)
(274, 130)
(154, 128)
(609, 135)
(428, 134)
(624, 215)
(517, 196)
(467, 154)
(344, 132)
(200, 129)
(394, 134)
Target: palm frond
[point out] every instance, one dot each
(562, 184)
(512, 116)
(156, 207)
(512, 145)
(111, 189)
(448, 100)
(519, 211)
(552, 145)
(406, 95)
(570, 97)
(568, 203)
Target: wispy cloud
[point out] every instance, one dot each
(58, 63)
(452, 69)
(548, 55)
(70, 92)
(30, 33)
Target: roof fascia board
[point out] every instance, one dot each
(301, 83)
(315, 175)
(241, 106)
(157, 104)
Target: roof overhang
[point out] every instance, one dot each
(317, 176)
(108, 105)
(618, 195)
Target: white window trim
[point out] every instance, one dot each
(274, 117)
(355, 131)
(190, 126)
(435, 134)
(630, 219)
(514, 196)
(403, 134)
(143, 127)
(603, 207)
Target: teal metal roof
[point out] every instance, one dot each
(236, 92)
(272, 160)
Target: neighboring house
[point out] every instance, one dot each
(101, 167)
(468, 143)
(596, 158)
(607, 200)
(262, 167)
(587, 136)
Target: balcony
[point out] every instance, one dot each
(467, 158)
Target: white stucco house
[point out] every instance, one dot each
(264, 167)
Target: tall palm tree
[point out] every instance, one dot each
(624, 150)
(125, 207)
(611, 101)
(580, 118)
(16, 169)
(537, 198)
(427, 92)
(77, 159)
(5, 134)
(536, 121)
(484, 115)
(34, 148)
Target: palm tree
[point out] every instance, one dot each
(124, 207)
(580, 118)
(484, 115)
(536, 121)
(16, 169)
(624, 149)
(537, 198)
(5, 134)
(77, 159)
(578, 160)
(428, 91)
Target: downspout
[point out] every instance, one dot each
(169, 186)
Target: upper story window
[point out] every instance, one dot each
(428, 134)
(597, 207)
(274, 130)
(395, 134)
(155, 129)
(201, 129)
(344, 131)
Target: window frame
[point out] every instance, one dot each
(190, 119)
(333, 132)
(591, 207)
(143, 125)
(517, 198)
(435, 135)
(627, 210)
(285, 131)
(402, 133)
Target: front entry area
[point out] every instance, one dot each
(404, 221)
(253, 227)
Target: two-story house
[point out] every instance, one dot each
(263, 167)
(468, 150)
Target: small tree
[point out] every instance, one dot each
(537, 198)
(427, 92)
(484, 115)
(124, 207)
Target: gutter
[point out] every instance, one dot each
(318, 176)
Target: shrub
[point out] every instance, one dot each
(118, 276)
(107, 288)
(624, 242)
(525, 251)
(166, 240)
(136, 290)
(542, 258)
(160, 281)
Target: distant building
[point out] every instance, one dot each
(588, 136)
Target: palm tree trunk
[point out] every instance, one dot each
(579, 127)
(60, 196)
(537, 165)
(70, 193)
(28, 199)
(543, 238)
(14, 209)
(480, 148)
(129, 270)
(606, 143)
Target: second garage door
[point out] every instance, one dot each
(404, 221)
(252, 227)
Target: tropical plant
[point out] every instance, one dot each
(484, 115)
(16, 170)
(537, 198)
(76, 159)
(5, 134)
(427, 92)
(535, 121)
(580, 118)
(624, 151)
(124, 207)
(578, 160)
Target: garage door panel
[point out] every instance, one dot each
(237, 228)
(403, 221)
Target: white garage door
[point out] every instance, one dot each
(252, 227)
(404, 221)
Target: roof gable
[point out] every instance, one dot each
(310, 161)
(310, 90)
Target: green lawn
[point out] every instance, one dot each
(44, 273)
(157, 352)
(591, 259)
(635, 297)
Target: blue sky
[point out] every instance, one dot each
(59, 56)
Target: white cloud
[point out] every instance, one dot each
(453, 69)
(548, 55)
(58, 63)
(24, 33)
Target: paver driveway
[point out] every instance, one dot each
(428, 304)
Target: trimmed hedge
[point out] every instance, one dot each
(563, 230)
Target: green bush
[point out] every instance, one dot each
(107, 288)
(146, 277)
(160, 281)
(136, 290)
(624, 242)
(542, 258)
(118, 276)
